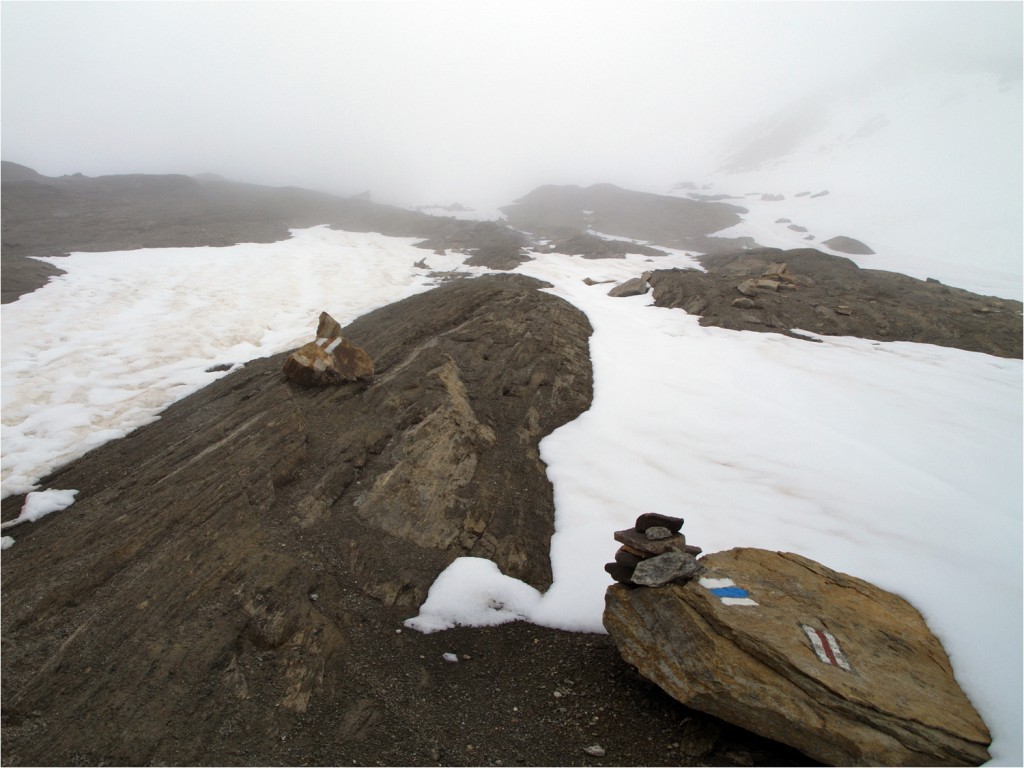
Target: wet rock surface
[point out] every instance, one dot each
(832, 665)
(771, 290)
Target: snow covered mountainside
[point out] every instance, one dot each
(925, 169)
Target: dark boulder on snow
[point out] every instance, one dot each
(842, 670)
(636, 286)
(848, 245)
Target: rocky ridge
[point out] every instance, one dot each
(771, 290)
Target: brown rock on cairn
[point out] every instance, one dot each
(329, 360)
(845, 672)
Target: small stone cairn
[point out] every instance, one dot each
(329, 359)
(654, 553)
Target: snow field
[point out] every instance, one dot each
(103, 349)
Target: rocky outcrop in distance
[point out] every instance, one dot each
(770, 290)
(561, 212)
(48, 216)
(842, 670)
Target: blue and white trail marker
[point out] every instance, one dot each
(727, 591)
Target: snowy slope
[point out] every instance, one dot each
(926, 169)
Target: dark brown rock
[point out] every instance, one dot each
(629, 559)
(621, 573)
(832, 665)
(651, 519)
(638, 542)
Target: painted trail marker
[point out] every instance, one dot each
(826, 647)
(727, 591)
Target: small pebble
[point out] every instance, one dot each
(449, 657)
(594, 750)
(657, 532)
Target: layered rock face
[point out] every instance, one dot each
(844, 671)
(213, 575)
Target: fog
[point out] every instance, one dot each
(434, 102)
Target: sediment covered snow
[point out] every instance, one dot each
(106, 347)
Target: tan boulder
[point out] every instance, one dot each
(789, 649)
(329, 359)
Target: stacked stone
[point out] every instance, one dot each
(654, 553)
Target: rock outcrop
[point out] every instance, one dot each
(566, 211)
(329, 359)
(808, 290)
(214, 575)
(844, 671)
(636, 286)
(850, 245)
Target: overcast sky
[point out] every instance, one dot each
(439, 101)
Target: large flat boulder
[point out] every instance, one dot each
(783, 646)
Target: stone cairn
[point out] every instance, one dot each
(654, 553)
(329, 359)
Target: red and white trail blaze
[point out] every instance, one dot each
(826, 647)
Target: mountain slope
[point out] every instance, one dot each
(924, 167)
(45, 216)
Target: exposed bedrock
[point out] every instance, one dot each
(771, 290)
(206, 569)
